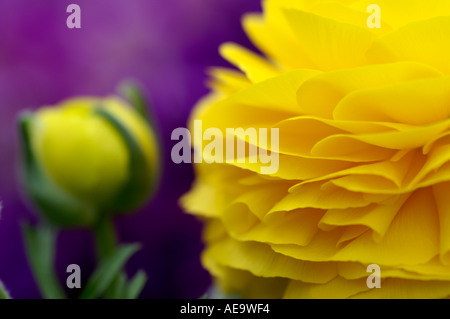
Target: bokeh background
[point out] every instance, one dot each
(167, 45)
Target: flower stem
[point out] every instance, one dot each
(105, 238)
(106, 244)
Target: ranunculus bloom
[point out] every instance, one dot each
(88, 156)
(364, 168)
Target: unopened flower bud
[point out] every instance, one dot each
(88, 156)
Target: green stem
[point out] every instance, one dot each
(105, 238)
(106, 244)
(3, 292)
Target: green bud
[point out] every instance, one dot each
(88, 156)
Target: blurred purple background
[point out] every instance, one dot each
(167, 45)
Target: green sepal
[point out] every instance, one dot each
(142, 180)
(131, 91)
(57, 205)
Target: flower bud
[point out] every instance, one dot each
(88, 156)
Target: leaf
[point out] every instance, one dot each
(118, 289)
(107, 271)
(137, 283)
(4, 294)
(40, 250)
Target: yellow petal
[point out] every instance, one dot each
(227, 81)
(432, 270)
(313, 195)
(417, 102)
(437, 158)
(297, 168)
(405, 138)
(296, 227)
(203, 200)
(350, 233)
(260, 105)
(350, 148)
(376, 217)
(412, 238)
(338, 288)
(260, 200)
(442, 198)
(243, 284)
(256, 68)
(329, 44)
(260, 260)
(320, 94)
(399, 13)
(425, 41)
(393, 288)
(321, 248)
(393, 171)
(272, 35)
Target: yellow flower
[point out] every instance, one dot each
(364, 154)
(98, 154)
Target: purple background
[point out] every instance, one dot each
(167, 45)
